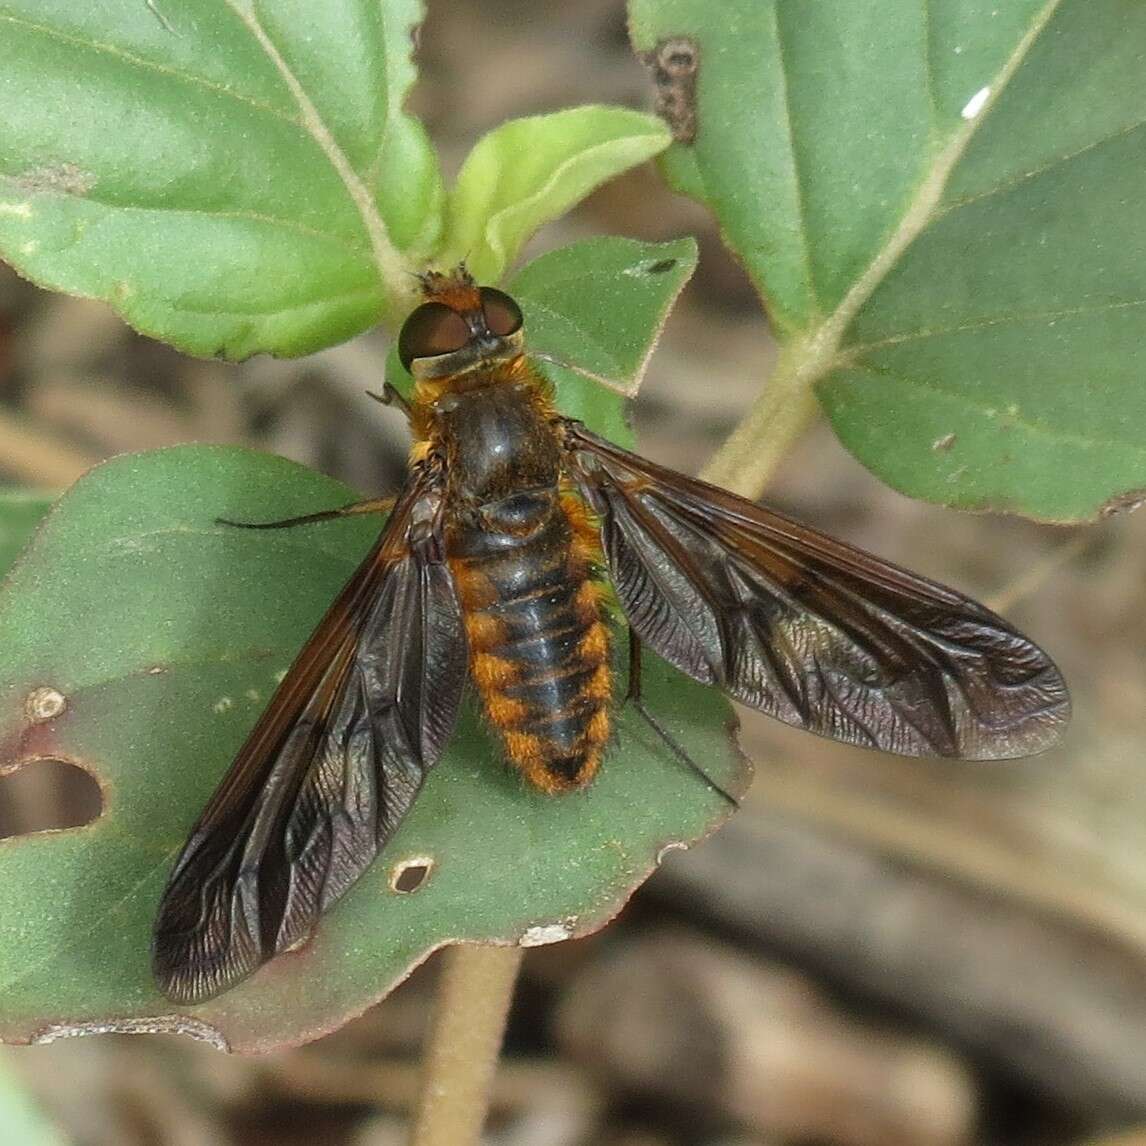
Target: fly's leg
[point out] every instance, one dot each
(633, 697)
(391, 397)
(375, 505)
(388, 397)
(633, 693)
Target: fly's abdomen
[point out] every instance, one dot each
(539, 651)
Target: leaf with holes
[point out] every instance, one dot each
(231, 176)
(941, 205)
(161, 635)
(599, 305)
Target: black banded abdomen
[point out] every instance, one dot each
(539, 651)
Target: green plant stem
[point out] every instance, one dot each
(469, 1023)
(749, 456)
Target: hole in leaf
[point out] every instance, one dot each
(47, 794)
(410, 875)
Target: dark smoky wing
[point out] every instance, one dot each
(327, 774)
(810, 630)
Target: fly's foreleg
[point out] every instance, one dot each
(391, 397)
(374, 505)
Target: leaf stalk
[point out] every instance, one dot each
(749, 456)
(469, 1023)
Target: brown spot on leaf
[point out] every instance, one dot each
(57, 178)
(1126, 502)
(943, 444)
(44, 704)
(675, 62)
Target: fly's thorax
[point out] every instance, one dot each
(502, 449)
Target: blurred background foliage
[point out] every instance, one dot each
(875, 951)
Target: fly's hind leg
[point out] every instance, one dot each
(375, 505)
(633, 697)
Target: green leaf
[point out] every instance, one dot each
(165, 635)
(231, 177)
(598, 305)
(529, 171)
(601, 304)
(20, 513)
(941, 205)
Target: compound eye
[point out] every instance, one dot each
(502, 314)
(432, 329)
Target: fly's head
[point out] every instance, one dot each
(461, 329)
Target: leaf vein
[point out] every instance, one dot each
(101, 48)
(322, 300)
(929, 71)
(389, 263)
(214, 213)
(985, 323)
(1023, 177)
(1035, 429)
(131, 541)
(797, 176)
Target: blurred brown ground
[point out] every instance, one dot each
(874, 951)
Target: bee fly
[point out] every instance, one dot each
(492, 567)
